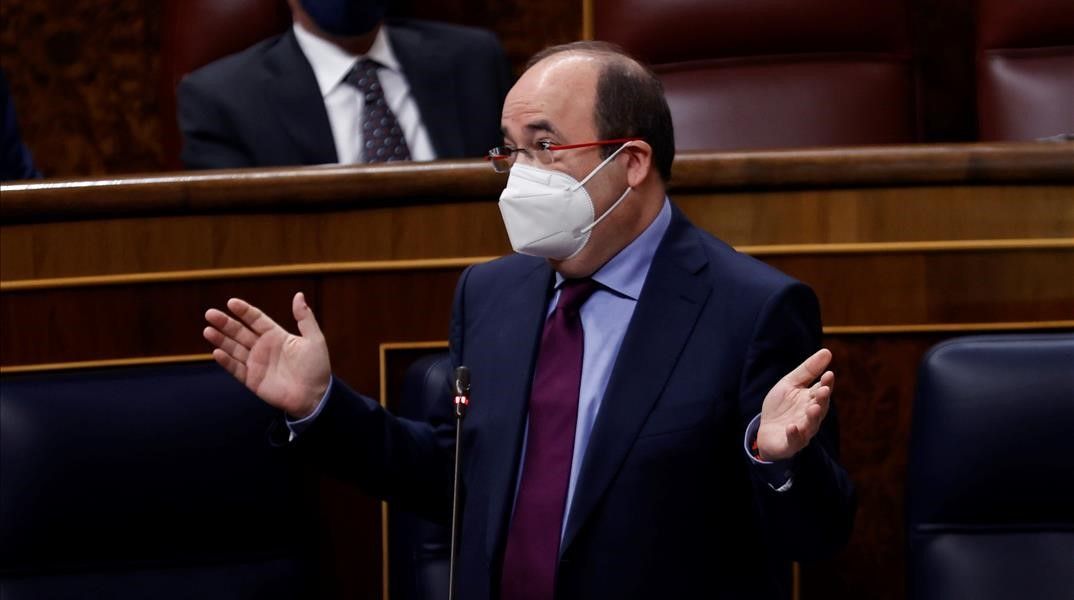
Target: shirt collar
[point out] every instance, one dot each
(625, 273)
(331, 63)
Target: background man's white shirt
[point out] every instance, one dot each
(344, 102)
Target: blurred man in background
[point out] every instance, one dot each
(344, 85)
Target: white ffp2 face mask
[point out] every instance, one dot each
(549, 213)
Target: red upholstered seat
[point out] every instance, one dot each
(745, 74)
(1025, 68)
(194, 33)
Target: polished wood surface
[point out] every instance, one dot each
(905, 247)
(330, 186)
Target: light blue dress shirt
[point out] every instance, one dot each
(605, 317)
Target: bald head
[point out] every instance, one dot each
(603, 52)
(555, 97)
(627, 97)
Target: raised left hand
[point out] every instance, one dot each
(795, 407)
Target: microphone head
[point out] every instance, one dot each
(462, 381)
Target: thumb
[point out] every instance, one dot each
(307, 323)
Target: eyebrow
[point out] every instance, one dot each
(543, 125)
(536, 126)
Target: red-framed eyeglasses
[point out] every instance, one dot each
(502, 157)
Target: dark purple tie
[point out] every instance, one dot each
(529, 563)
(382, 138)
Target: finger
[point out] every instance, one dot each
(240, 359)
(236, 368)
(231, 327)
(810, 369)
(307, 323)
(816, 411)
(251, 316)
(795, 440)
(821, 395)
(229, 345)
(828, 379)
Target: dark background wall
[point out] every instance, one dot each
(82, 74)
(86, 75)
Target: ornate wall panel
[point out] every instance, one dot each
(82, 75)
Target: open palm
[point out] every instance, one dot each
(290, 372)
(795, 407)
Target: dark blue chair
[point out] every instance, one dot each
(419, 550)
(990, 492)
(147, 482)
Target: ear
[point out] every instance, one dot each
(639, 162)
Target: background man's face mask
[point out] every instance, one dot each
(549, 213)
(346, 18)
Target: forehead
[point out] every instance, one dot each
(557, 95)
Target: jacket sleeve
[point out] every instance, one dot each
(814, 517)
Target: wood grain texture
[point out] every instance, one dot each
(874, 398)
(369, 186)
(456, 230)
(161, 318)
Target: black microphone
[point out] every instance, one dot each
(462, 391)
(462, 402)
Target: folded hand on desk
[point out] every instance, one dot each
(290, 372)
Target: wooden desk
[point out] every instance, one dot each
(905, 246)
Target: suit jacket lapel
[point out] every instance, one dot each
(433, 86)
(667, 309)
(520, 318)
(292, 90)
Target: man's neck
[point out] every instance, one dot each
(590, 260)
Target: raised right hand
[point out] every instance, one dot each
(290, 372)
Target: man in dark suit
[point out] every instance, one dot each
(300, 98)
(648, 415)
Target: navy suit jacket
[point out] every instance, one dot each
(668, 504)
(262, 107)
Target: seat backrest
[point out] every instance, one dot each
(194, 33)
(747, 74)
(990, 492)
(1025, 69)
(419, 551)
(145, 482)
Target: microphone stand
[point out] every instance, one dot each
(462, 401)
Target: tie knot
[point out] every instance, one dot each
(575, 292)
(363, 75)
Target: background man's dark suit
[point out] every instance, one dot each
(262, 106)
(668, 504)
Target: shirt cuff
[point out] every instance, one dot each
(776, 473)
(297, 427)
